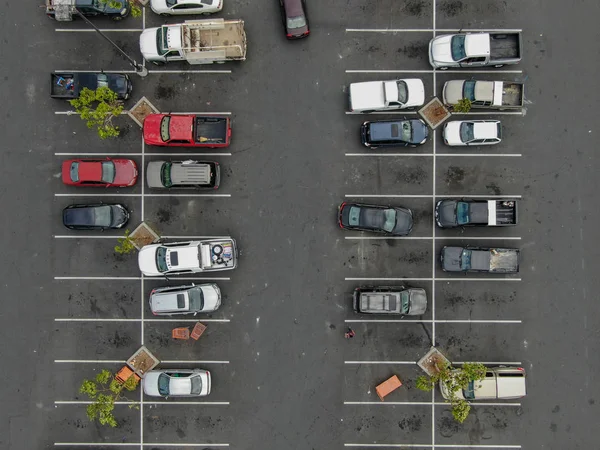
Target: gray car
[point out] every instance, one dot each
(396, 300)
(183, 174)
(189, 299)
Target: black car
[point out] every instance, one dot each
(95, 217)
(381, 219)
(93, 8)
(69, 85)
(394, 133)
(295, 20)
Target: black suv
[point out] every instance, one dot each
(394, 133)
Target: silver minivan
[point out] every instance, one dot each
(189, 299)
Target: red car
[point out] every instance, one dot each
(187, 130)
(99, 172)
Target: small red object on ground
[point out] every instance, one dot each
(198, 330)
(389, 385)
(181, 333)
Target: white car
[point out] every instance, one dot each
(499, 383)
(180, 7)
(369, 96)
(472, 132)
(177, 383)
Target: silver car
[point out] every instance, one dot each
(177, 383)
(397, 300)
(189, 299)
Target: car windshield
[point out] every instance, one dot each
(462, 213)
(74, 172)
(469, 391)
(163, 384)
(171, 3)
(165, 175)
(469, 90)
(296, 22)
(108, 171)
(102, 80)
(406, 131)
(465, 260)
(161, 259)
(164, 128)
(102, 216)
(390, 220)
(196, 385)
(354, 216)
(405, 302)
(402, 91)
(457, 44)
(466, 131)
(161, 41)
(196, 299)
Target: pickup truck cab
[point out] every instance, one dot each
(475, 259)
(499, 383)
(69, 85)
(484, 94)
(208, 255)
(389, 95)
(183, 174)
(472, 132)
(187, 130)
(452, 213)
(475, 50)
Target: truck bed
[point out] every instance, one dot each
(226, 38)
(504, 260)
(58, 88)
(505, 46)
(505, 213)
(512, 94)
(211, 130)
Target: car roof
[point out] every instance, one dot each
(485, 130)
(293, 7)
(190, 173)
(90, 170)
(181, 258)
(82, 215)
(387, 131)
(180, 385)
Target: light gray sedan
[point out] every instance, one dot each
(397, 300)
(177, 383)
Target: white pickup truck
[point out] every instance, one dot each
(484, 94)
(372, 96)
(195, 41)
(475, 50)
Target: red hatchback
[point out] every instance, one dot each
(99, 172)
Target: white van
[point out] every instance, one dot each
(499, 383)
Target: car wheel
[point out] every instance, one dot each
(220, 62)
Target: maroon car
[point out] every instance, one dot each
(294, 17)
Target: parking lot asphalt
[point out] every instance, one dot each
(284, 377)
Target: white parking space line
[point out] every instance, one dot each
(73, 319)
(187, 155)
(74, 236)
(103, 30)
(190, 71)
(94, 71)
(188, 195)
(140, 195)
(432, 30)
(471, 155)
(114, 361)
(426, 238)
(431, 196)
(208, 113)
(389, 154)
(136, 444)
(498, 321)
(139, 278)
(153, 402)
(437, 154)
(432, 71)
(490, 113)
(433, 446)
(386, 403)
(352, 113)
(491, 363)
(432, 279)
(408, 363)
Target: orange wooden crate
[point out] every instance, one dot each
(124, 374)
(389, 385)
(198, 330)
(181, 333)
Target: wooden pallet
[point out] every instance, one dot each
(181, 333)
(198, 330)
(125, 373)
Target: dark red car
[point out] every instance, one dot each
(99, 172)
(294, 17)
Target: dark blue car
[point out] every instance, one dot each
(394, 133)
(95, 217)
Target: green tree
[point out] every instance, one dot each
(136, 6)
(454, 380)
(104, 390)
(98, 108)
(463, 106)
(125, 245)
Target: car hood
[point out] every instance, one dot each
(451, 258)
(148, 42)
(446, 213)
(153, 171)
(151, 129)
(120, 216)
(159, 6)
(453, 91)
(404, 222)
(418, 302)
(452, 133)
(212, 297)
(441, 52)
(125, 172)
(147, 261)
(420, 131)
(151, 384)
(416, 92)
